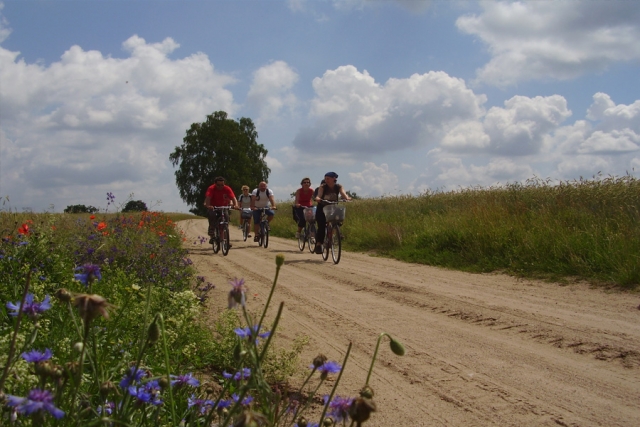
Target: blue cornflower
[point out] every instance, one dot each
(328, 367)
(246, 401)
(147, 393)
(242, 374)
(201, 404)
(133, 375)
(187, 379)
(248, 332)
(30, 308)
(339, 407)
(90, 272)
(308, 425)
(37, 400)
(34, 356)
(108, 408)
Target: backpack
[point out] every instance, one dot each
(268, 191)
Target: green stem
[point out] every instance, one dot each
(273, 287)
(12, 347)
(375, 355)
(335, 386)
(168, 373)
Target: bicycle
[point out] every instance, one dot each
(263, 239)
(220, 238)
(333, 235)
(246, 225)
(308, 234)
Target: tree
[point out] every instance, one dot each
(80, 209)
(135, 206)
(218, 147)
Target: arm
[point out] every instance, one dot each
(207, 202)
(273, 201)
(234, 203)
(297, 200)
(253, 202)
(343, 194)
(320, 194)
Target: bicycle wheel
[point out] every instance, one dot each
(216, 241)
(311, 237)
(302, 237)
(261, 238)
(327, 243)
(336, 244)
(265, 236)
(245, 230)
(224, 239)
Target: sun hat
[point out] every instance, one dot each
(331, 175)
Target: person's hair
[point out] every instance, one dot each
(305, 179)
(219, 178)
(245, 187)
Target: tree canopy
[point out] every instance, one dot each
(218, 147)
(80, 209)
(135, 206)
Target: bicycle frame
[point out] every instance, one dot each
(221, 232)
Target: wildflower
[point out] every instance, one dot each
(361, 408)
(247, 333)
(242, 374)
(246, 401)
(132, 375)
(148, 393)
(181, 380)
(24, 229)
(92, 217)
(339, 407)
(200, 404)
(90, 273)
(107, 408)
(327, 368)
(36, 401)
(237, 293)
(101, 225)
(34, 356)
(30, 307)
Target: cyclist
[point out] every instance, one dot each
(303, 200)
(330, 190)
(244, 202)
(261, 197)
(218, 194)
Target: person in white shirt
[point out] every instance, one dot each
(261, 197)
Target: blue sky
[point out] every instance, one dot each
(397, 97)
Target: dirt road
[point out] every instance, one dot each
(482, 350)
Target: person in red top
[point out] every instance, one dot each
(218, 194)
(303, 200)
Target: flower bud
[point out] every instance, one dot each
(360, 409)
(302, 422)
(279, 260)
(78, 347)
(63, 295)
(153, 333)
(319, 360)
(164, 383)
(366, 392)
(328, 422)
(106, 388)
(396, 347)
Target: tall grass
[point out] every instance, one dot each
(584, 229)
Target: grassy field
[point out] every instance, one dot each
(579, 230)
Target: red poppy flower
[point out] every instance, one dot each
(102, 226)
(24, 229)
(92, 217)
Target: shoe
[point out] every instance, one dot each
(230, 245)
(255, 239)
(318, 249)
(248, 235)
(297, 234)
(211, 241)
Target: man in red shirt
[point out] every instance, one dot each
(218, 194)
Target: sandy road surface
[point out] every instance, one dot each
(482, 350)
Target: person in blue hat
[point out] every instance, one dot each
(330, 191)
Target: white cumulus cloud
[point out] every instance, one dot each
(541, 40)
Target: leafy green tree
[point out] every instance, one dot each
(80, 209)
(218, 147)
(352, 194)
(135, 206)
